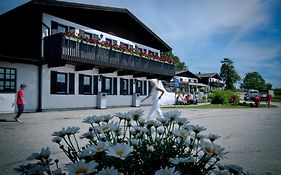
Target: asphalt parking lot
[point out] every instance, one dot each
(251, 136)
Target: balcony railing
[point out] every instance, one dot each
(60, 47)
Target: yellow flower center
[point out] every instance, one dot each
(209, 149)
(106, 128)
(81, 170)
(120, 153)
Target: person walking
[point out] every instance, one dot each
(269, 99)
(154, 93)
(20, 102)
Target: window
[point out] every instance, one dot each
(95, 84)
(124, 45)
(58, 83)
(7, 79)
(106, 85)
(62, 29)
(124, 86)
(58, 28)
(139, 87)
(88, 35)
(85, 84)
(95, 36)
(71, 85)
(111, 41)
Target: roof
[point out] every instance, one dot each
(208, 75)
(117, 21)
(186, 73)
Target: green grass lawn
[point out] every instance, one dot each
(276, 98)
(210, 106)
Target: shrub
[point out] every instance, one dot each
(222, 97)
(126, 144)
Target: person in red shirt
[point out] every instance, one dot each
(257, 100)
(269, 99)
(20, 102)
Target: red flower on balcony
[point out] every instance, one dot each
(121, 48)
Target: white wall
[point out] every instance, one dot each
(53, 101)
(25, 73)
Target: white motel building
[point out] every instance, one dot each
(74, 55)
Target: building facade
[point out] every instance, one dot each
(71, 55)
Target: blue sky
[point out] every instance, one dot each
(203, 32)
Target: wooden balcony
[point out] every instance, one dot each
(61, 49)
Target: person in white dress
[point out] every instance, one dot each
(154, 94)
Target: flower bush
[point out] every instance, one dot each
(119, 48)
(127, 144)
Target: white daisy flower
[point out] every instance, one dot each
(140, 129)
(181, 121)
(179, 160)
(93, 119)
(213, 137)
(87, 152)
(142, 121)
(121, 115)
(196, 128)
(108, 171)
(107, 117)
(135, 142)
(60, 133)
(160, 131)
(219, 151)
(136, 114)
(57, 139)
(181, 133)
(101, 146)
(167, 171)
(119, 150)
(81, 168)
(150, 148)
(44, 153)
(87, 135)
(72, 130)
(107, 127)
(207, 147)
(172, 115)
(163, 120)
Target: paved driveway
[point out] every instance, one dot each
(252, 136)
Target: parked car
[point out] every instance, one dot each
(263, 96)
(250, 94)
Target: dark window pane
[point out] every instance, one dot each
(95, 84)
(71, 83)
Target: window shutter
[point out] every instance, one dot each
(102, 84)
(122, 86)
(91, 88)
(71, 85)
(95, 84)
(150, 87)
(53, 82)
(131, 86)
(114, 86)
(145, 88)
(81, 84)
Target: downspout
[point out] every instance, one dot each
(39, 107)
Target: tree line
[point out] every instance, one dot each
(228, 74)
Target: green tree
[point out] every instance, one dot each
(180, 65)
(253, 80)
(229, 74)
